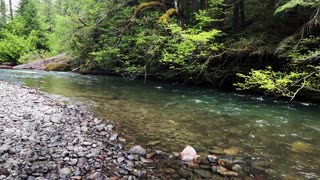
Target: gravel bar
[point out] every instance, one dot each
(44, 137)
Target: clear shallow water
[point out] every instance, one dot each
(283, 137)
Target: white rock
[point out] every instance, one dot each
(188, 153)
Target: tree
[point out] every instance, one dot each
(238, 16)
(11, 10)
(3, 13)
(28, 11)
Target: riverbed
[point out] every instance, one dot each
(282, 137)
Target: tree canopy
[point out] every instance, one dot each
(263, 44)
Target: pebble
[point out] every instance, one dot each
(170, 171)
(4, 172)
(221, 169)
(214, 169)
(65, 171)
(212, 158)
(216, 151)
(203, 173)
(94, 175)
(137, 150)
(229, 173)
(76, 177)
(120, 159)
(236, 168)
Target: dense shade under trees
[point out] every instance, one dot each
(271, 45)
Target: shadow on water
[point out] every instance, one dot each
(284, 137)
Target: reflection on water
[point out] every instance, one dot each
(283, 137)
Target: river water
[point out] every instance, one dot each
(282, 137)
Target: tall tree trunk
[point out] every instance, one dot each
(11, 11)
(204, 4)
(177, 6)
(194, 9)
(3, 12)
(242, 18)
(236, 16)
(238, 21)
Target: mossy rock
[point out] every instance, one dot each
(57, 67)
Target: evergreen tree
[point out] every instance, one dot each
(27, 10)
(11, 10)
(3, 13)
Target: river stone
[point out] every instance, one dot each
(76, 177)
(185, 174)
(212, 158)
(170, 171)
(65, 171)
(4, 172)
(203, 166)
(109, 128)
(120, 159)
(188, 154)
(231, 151)
(153, 143)
(142, 159)
(197, 159)
(4, 149)
(214, 169)
(100, 127)
(229, 173)
(221, 169)
(94, 175)
(137, 150)
(236, 168)
(114, 136)
(73, 162)
(216, 151)
(225, 162)
(77, 173)
(31, 178)
(203, 173)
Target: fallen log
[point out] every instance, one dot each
(5, 67)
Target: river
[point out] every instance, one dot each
(282, 137)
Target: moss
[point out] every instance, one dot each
(57, 67)
(165, 17)
(144, 5)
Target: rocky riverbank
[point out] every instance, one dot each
(44, 137)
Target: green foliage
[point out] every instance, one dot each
(12, 46)
(59, 39)
(300, 50)
(280, 83)
(186, 46)
(294, 3)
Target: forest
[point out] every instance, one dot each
(269, 46)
